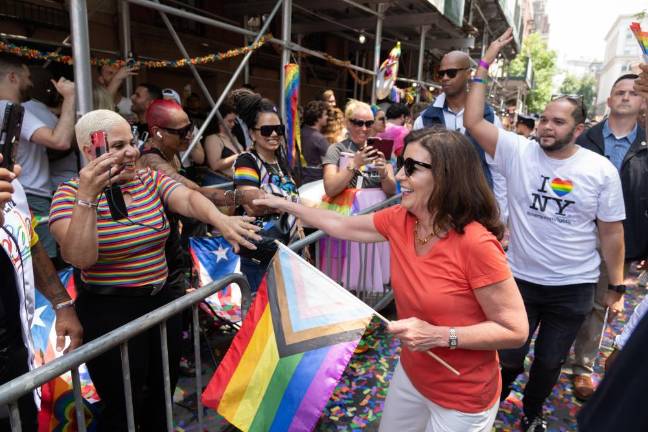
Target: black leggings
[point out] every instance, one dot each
(99, 314)
(16, 365)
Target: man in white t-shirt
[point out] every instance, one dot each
(36, 137)
(562, 199)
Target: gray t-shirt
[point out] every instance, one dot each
(32, 157)
(370, 177)
(314, 146)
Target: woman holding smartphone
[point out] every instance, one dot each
(117, 244)
(352, 163)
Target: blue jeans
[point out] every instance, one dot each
(253, 272)
(558, 312)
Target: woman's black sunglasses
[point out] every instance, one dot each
(360, 123)
(182, 132)
(409, 165)
(267, 130)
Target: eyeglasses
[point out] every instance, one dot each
(409, 165)
(266, 130)
(451, 73)
(181, 132)
(575, 99)
(360, 123)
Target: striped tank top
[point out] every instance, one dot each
(131, 251)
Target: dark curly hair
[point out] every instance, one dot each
(314, 111)
(250, 105)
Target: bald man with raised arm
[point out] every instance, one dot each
(561, 197)
(447, 111)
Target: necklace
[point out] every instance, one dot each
(425, 239)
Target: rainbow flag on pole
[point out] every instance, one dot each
(291, 350)
(291, 104)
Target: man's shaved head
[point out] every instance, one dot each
(455, 59)
(454, 73)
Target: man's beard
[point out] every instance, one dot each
(561, 143)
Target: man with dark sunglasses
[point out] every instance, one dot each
(563, 200)
(622, 140)
(448, 110)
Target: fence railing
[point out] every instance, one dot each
(354, 265)
(10, 392)
(365, 255)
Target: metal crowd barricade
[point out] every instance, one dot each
(360, 282)
(10, 392)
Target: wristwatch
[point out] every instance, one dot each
(452, 338)
(621, 289)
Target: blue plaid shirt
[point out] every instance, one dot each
(616, 148)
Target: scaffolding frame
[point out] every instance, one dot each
(81, 46)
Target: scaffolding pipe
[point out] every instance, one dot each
(215, 23)
(126, 51)
(379, 26)
(421, 58)
(197, 77)
(286, 18)
(231, 82)
(379, 14)
(81, 54)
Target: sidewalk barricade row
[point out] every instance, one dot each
(360, 280)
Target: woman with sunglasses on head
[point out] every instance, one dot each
(454, 291)
(263, 168)
(111, 224)
(365, 167)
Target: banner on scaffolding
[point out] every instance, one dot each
(291, 349)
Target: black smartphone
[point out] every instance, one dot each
(10, 134)
(113, 193)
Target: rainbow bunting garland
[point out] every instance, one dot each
(642, 38)
(31, 53)
(291, 102)
(290, 352)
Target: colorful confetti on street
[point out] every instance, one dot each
(358, 400)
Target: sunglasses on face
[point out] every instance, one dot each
(360, 123)
(267, 130)
(409, 165)
(451, 73)
(182, 132)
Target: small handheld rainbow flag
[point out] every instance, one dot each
(642, 38)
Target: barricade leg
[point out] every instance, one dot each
(165, 374)
(78, 400)
(128, 394)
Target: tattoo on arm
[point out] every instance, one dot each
(47, 281)
(155, 162)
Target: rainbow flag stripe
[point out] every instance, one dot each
(246, 174)
(291, 350)
(291, 102)
(642, 38)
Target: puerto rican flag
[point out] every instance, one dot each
(214, 258)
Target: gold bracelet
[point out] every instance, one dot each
(84, 203)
